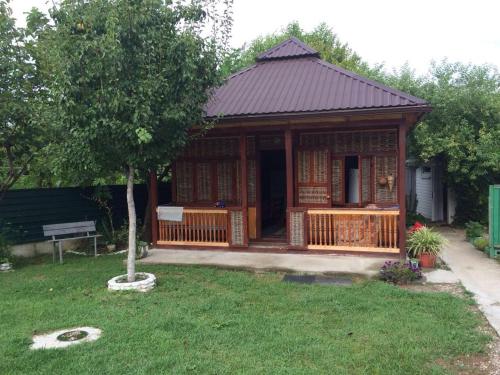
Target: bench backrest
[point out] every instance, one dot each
(68, 228)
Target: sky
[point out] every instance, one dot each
(386, 31)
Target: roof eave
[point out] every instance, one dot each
(421, 109)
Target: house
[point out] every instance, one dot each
(427, 192)
(306, 156)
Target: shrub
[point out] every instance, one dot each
(413, 217)
(424, 240)
(473, 229)
(481, 243)
(399, 273)
(4, 249)
(417, 226)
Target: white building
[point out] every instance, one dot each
(427, 192)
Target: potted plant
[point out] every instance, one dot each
(424, 244)
(5, 264)
(473, 230)
(142, 249)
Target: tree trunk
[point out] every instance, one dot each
(132, 222)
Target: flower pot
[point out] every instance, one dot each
(142, 250)
(427, 260)
(5, 266)
(111, 247)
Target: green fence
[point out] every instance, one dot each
(494, 220)
(24, 211)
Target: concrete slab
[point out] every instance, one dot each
(478, 273)
(317, 264)
(441, 277)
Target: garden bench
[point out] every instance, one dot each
(70, 231)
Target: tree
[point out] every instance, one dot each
(463, 129)
(129, 79)
(322, 38)
(23, 118)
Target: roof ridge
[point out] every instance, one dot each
(301, 50)
(369, 81)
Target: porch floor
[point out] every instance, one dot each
(309, 263)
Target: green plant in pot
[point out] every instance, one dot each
(425, 244)
(142, 249)
(5, 254)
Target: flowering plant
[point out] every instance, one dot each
(415, 227)
(399, 273)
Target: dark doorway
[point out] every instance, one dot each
(351, 179)
(273, 193)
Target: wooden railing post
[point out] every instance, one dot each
(403, 128)
(289, 181)
(153, 201)
(244, 185)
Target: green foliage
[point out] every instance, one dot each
(424, 240)
(5, 248)
(199, 315)
(462, 131)
(321, 38)
(24, 117)
(412, 217)
(481, 243)
(399, 273)
(473, 229)
(130, 78)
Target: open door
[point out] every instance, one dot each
(313, 178)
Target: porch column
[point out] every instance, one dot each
(153, 201)
(402, 132)
(244, 185)
(289, 168)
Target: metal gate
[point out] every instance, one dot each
(494, 220)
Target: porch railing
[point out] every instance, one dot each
(204, 227)
(355, 230)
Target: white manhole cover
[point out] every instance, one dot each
(65, 337)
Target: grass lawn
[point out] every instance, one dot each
(212, 321)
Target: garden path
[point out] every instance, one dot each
(478, 273)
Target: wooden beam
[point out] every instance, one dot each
(244, 185)
(153, 199)
(289, 168)
(244, 171)
(402, 184)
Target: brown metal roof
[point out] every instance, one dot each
(290, 78)
(288, 49)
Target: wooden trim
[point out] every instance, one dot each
(289, 168)
(207, 211)
(244, 185)
(354, 211)
(354, 248)
(190, 244)
(174, 182)
(153, 201)
(258, 188)
(402, 183)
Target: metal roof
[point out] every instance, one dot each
(290, 78)
(288, 49)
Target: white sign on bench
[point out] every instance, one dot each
(70, 231)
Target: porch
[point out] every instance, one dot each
(368, 230)
(314, 204)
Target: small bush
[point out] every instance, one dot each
(413, 217)
(399, 273)
(424, 240)
(4, 249)
(473, 229)
(481, 243)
